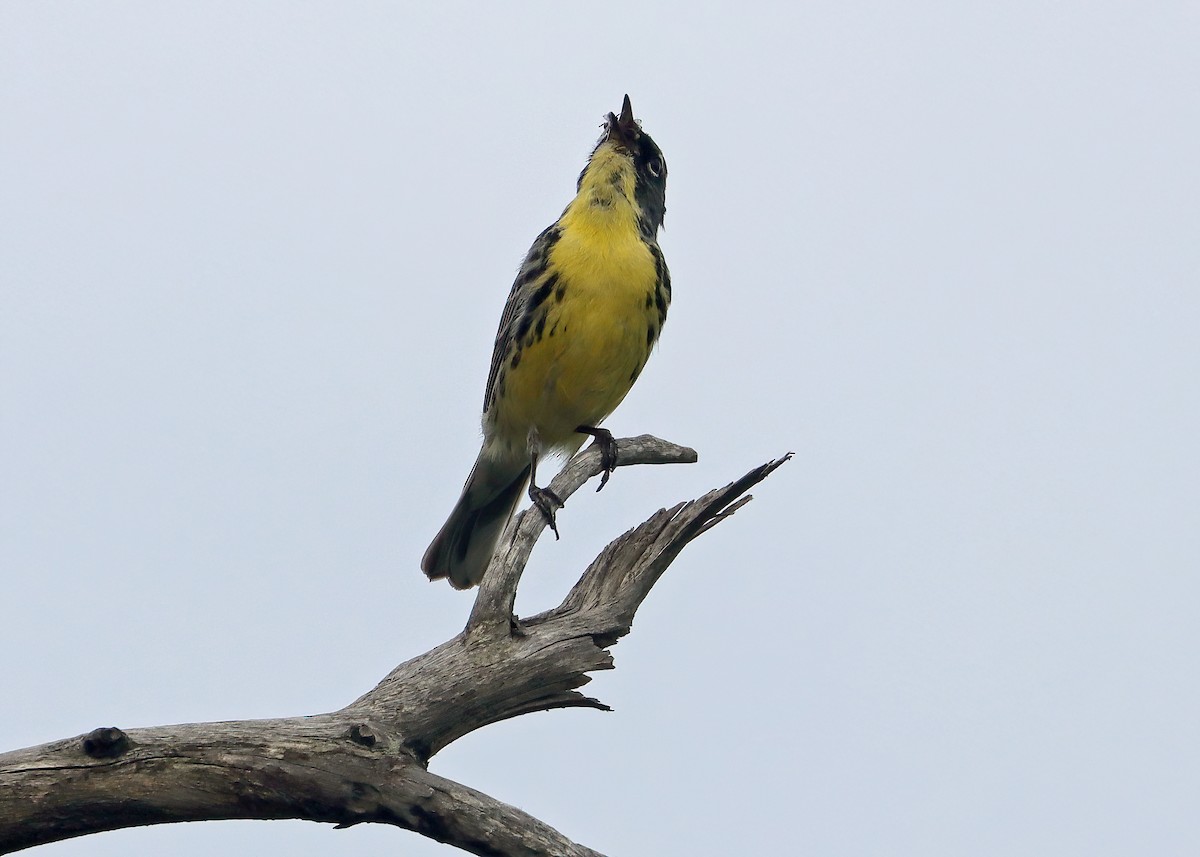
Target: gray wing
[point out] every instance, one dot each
(534, 266)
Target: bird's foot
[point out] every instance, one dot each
(548, 503)
(608, 451)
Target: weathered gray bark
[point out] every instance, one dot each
(368, 761)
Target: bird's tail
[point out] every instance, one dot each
(464, 546)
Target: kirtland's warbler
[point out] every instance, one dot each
(585, 310)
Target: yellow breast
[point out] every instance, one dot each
(600, 322)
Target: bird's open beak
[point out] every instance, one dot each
(623, 130)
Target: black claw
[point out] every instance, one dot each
(608, 458)
(608, 451)
(547, 502)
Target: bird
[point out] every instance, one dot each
(587, 306)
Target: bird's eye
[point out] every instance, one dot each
(655, 167)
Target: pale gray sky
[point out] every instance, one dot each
(252, 257)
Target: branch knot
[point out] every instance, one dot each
(107, 742)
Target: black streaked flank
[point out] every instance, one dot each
(543, 291)
(537, 260)
(533, 268)
(661, 273)
(523, 327)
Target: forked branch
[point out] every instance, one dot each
(368, 762)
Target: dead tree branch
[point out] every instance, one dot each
(368, 762)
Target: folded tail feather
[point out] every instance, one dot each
(464, 546)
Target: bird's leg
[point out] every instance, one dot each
(545, 499)
(608, 450)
